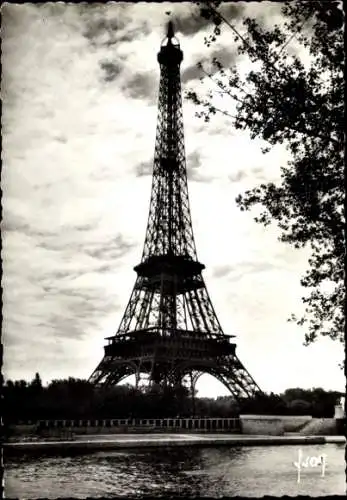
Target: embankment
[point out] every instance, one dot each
(278, 425)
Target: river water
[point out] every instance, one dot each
(212, 472)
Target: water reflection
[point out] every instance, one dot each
(213, 472)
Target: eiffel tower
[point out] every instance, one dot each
(169, 329)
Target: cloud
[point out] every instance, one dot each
(194, 168)
(227, 56)
(224, 55)
(232, 11)
(193, 164)
(104, 25)
(189, 21)
(140, 86)
(219, 271)
(237, 271)
(237, 176)
(190, 73)
(111, 70)
(144, 168)
(63, 293)
(79, 122)
(249, 175)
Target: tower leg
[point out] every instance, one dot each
(137, 378)
(192, 391)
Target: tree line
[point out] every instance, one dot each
(79, 399)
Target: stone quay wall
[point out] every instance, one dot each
(279, 425)
(265, 425)
(115, 426)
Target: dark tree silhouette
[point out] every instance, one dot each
(79, 399)
(283, 101)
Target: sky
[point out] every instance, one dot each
(80, 86)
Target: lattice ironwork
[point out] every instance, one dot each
(169, 328)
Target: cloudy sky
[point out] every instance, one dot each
(79, 89)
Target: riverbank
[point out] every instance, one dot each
(119, 441)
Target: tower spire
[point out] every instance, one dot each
(170, 30)
(169, 327)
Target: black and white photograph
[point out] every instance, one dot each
(173, 245)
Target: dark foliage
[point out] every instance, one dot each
(284, 101)
(78, 399)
